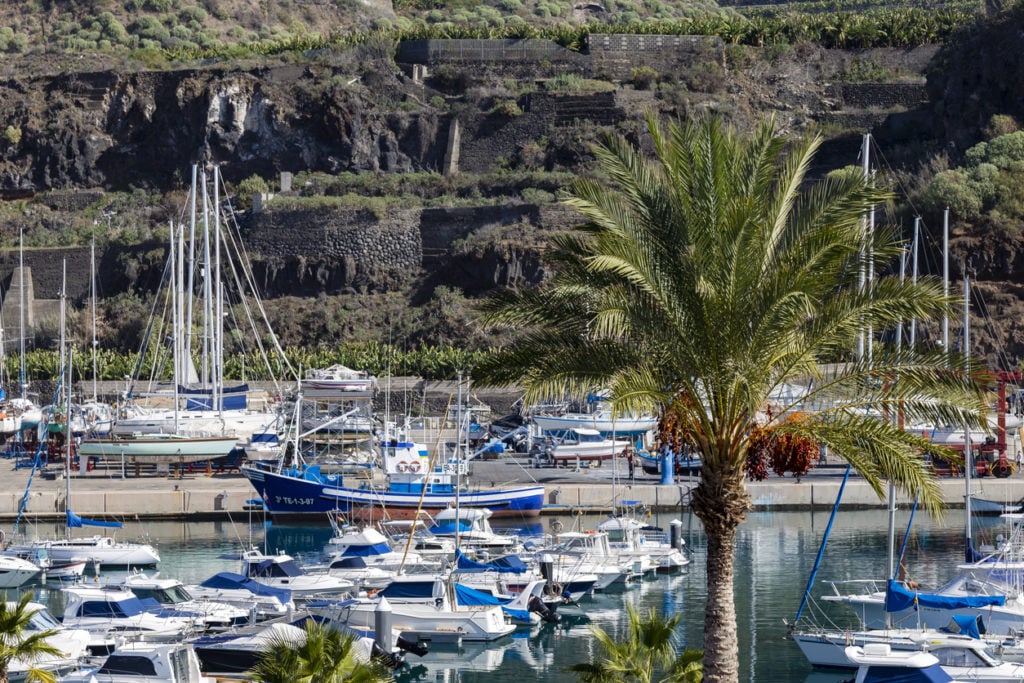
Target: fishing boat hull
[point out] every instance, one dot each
(291, 495)
(159, 449)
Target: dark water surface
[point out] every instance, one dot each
(775, 554)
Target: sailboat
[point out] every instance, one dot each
(98, 550)
(205, 420)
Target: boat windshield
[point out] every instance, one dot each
(42, 621)
(963, 657)
(165, 596)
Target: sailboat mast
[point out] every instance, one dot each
(863, 280)
(207, 293)
(67, 426)
(23, 385)
(968, 460)
(187, 356)
(458, 466)
(178, 324)
(945, 278)
(218, 311)
(92, 295)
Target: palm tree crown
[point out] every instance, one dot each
(705, 278)
(647, 654)
(15, 644)
(326, 655)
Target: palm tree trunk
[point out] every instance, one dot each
(721, 650)
(720, 501)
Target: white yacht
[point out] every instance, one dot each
(423, 607)
(263, 602)
(280, 571)
(107, 610)
(633, 539)
(472, 527)
(15, 571)
(170, 593)
(145, 663)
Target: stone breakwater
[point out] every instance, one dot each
(220, 496)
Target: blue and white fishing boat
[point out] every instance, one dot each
(415, 481)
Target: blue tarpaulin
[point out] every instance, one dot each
(470, 597)
(898, 598)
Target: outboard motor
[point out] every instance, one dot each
(547, 615)
(412, 646)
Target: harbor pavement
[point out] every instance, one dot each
(112, 493)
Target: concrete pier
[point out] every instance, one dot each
(220, 495)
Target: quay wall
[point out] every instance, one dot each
(199, 496)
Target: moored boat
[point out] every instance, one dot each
(415, 482)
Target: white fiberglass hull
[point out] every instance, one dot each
(166, 449)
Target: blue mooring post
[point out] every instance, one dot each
(668, 468)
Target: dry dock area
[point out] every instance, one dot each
(198, 495)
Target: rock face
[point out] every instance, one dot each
(73, 135)
(145, 129)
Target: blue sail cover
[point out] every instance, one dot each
(967, 625)
(470, 597)
(510, 564)
(898, 598)
(75, 522)
(232, 581)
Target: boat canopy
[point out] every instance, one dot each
(232, 581)
(509, 564)
(898, 598)
(470, 597)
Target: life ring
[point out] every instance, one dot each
(552, 589)
(414, 466)
(556, 526)
(403, 466)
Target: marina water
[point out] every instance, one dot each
(775, 554)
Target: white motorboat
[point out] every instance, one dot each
(472, 528)
(280, 571)
(589, 552)
(15, 571)
(171, 594)
(73, 644)
(580, 445)
(145, 663)
(372, 547)
(159, 448)
(114, 610)
(633, 539)
(263, 602)
(52, 571)
(425, 608)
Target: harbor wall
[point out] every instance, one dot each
(198, 496)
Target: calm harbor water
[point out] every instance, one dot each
(775, 555)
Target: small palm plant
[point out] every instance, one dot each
(16, 645)
(325, 656)
(648, 654)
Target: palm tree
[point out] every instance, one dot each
(325, 656)
(14, 644)
(710, 275)
(648, 648)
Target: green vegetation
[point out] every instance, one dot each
(16, 643)
(987, 191)
(326, 656)
(700, 281)
(646, 655)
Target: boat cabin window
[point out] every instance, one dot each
(126, 665)
(165, 596)
(958, 656)
(180, 665)
(275, 570)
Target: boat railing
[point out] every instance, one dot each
(847, 587)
